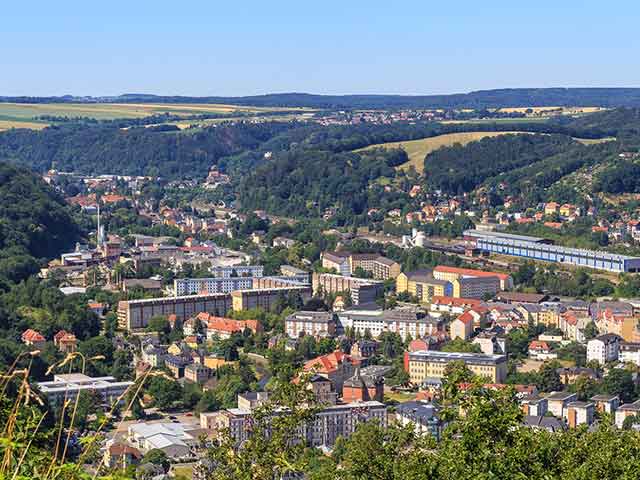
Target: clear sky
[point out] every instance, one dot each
(245, 47)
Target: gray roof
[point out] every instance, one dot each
(551, 424)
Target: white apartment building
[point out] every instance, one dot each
(404, 322)
(68, 386)
(604, 348)
(317, 324)
(210, 285)
(237, 270)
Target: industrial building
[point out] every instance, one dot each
(540, 249)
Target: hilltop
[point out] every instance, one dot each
(506, 97)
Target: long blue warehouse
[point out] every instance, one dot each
(539, 249)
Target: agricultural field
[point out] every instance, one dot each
(418, 149)
(25, 115)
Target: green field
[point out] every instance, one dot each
(24, 115)
(418, 149)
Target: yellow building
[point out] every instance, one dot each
(422, 285)
(432, 364)
(549, 317)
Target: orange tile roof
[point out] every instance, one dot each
(470, 272)
(33, 336)
(327, 363)
(456, 302)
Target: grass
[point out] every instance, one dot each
(418, 149)
(23, 115)
(593, 141)
(399, 396)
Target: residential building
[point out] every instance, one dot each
(443, 272)
(453, 306)
(432, 364)
(422, 285)
(604, 348)
(361, 290)
(580, 413)
(316, 324)
(121, 455)
(363, 349)
(135, 314)
(211, 285)
(197, 373)
(626, 410)
(251, 400)
(67, 386)
(237, 271)
(491, 343)
(177, 440)
(539, 350)
(336, 367)
(606, 403)
(362, 388)
(533, 405)
(65, 341)
(153, 355)
(550, 424)
(463, 326)
(266, 298)
(223, 327)
(33, 338)
(475, 287)
(338, 261)
(629, 353)
(423, 416)
(405, 321)
(176, 365)
(558, 402)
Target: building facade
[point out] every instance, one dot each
(432, 364)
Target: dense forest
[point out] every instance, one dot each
(101, 148)
(35, 223)
(304, 182)
(513, 97)
(459, 168)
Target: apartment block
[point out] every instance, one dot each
(68, 386)
(317, 324)
(422, 285)
(432, 364)
(362, 290)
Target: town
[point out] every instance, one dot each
(372, 339)
(267, 241)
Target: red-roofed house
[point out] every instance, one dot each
(540, 351)
(336, 367)
(225, 327)
(453, 305)
(65, 341)
(32, 338)
(463, 326)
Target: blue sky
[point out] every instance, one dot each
(249, 47)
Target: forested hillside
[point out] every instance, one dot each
(509, 97)
(35, 223)
(306, 182)
(458, 169)
(136, 151)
